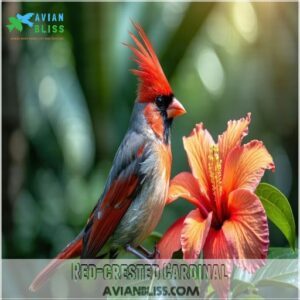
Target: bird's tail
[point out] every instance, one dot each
(30, 24)
(10, 27)
(72, 250)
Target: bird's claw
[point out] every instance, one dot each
(155, 254)
(143, 253)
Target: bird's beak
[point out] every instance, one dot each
(175, 109)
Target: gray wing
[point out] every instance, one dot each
(122, 187)
(130, 148)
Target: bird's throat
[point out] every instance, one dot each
(159, 123)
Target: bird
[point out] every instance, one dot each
(136, 189)
(25, 19)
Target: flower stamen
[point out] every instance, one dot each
(215, 174)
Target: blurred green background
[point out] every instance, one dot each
(67, 103)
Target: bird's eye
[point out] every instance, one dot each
(160, 101)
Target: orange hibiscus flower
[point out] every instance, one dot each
(229, 221)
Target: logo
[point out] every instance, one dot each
(37, 24)
(18, 21)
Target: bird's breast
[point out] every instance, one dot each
(145, 211)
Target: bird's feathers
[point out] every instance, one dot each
(152, 80)
(109, 214)
(71, 250)
(154, 120)
(121, 189)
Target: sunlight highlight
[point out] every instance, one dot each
(211, 71)
(47, 91)
(245, 20)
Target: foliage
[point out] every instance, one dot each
(278, 210)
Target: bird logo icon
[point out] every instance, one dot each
(16, 22)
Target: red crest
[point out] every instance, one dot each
(152, 80)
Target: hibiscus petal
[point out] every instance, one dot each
(194, 233)
(217, 253)
(185, 185)
(170, 242)
(245, 166)
(197, 146)
(233, 136)
(246, 230)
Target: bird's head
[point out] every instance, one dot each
(154, 89)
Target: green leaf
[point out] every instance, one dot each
(279, 270)
(278, 210)
(280, 252)
(278, 279)
(277, 291)
(275, 283)
(239, 287)
(152, 240)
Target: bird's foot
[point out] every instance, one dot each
(142, 253)
(150, 255)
